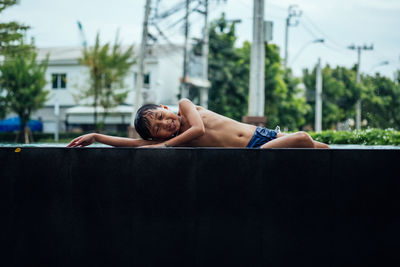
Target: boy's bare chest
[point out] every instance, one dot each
(221, 131)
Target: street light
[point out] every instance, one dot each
(383, 63)
(304, 46)
(234, 20)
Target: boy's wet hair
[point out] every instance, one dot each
(142, 123)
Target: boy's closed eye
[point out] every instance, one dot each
(160, 118)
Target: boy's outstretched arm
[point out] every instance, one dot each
(88, 139)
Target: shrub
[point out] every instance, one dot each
(361, 137)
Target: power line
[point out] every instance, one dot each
(176, 8)
(193, 21)
(322, 32)
(335, 43)
(310, 31)
(335, 49)
(381, 56)
(170, 26)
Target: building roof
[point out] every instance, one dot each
(75, 52)
(121, 109)
(118, 115)
(90, 110)
(60, 53)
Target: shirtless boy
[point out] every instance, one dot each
(196, 126)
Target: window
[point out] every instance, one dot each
(146, 80)
(59, 80)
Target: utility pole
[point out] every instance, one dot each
(358, 104)
(318, 98)
(140, 74)
(204, 90)
(184, 87)
(57, 115)
(293, 12)
(256, 98)
(142, 56)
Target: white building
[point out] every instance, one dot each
(66, 78)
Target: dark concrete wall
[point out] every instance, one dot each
(199, 207)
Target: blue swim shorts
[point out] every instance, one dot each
(261, 136)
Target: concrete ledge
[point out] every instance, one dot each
(199, 207)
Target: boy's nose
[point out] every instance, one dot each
(165, 123)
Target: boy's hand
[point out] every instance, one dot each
(83, 140)
(156, 145)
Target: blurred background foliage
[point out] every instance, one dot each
(22, 76)
(290, 100)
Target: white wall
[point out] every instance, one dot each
(77, 77)
(164, 65)
(170, 70)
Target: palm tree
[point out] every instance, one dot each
(108, 66)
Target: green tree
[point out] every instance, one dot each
(285, 104)
(108, 66)
(381, 102)
(294, 108)
(119, 63)
(228, 71)
(275, 87)
(339, 94)
(23, 79)
(11, 35)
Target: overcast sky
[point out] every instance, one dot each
(339, 22)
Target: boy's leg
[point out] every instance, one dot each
(320, 145)
(295, 140)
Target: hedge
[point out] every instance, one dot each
(360, 137)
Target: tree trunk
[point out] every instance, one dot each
(20, 137)
(24, 135)
(95, 104)
(106, 104)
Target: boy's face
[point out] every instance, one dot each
(164, 124)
